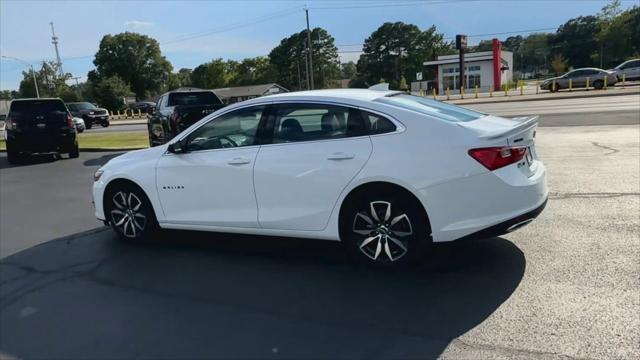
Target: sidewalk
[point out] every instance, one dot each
(528, 95)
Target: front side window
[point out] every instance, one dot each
(235, 129)
(432, 108)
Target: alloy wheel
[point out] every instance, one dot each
(384, 235)
(127, 214)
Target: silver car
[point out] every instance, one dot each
(579, 79)
(630, 69)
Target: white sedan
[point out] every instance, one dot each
(385, 172)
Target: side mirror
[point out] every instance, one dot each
(177, 147)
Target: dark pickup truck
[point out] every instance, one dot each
(177, 110)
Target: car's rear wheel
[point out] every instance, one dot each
(387, 230)
(130, 213)
(13, 156)
(598, 84)
(74, 152)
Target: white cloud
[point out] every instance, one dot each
(137, 24)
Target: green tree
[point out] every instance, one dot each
(210, 75)
(50, 82)
(288, 59)
(397, 49)
(534, 52)
(619, 34)
(558, 64)
(253, 71)
(135, 59)
(109, 92)
(349, 70)
(576, 39)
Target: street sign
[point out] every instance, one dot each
(461, 42)
(419, 76)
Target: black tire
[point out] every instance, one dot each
(13, 157)
(124, 202)
(598, 84)
(105, 123)
(74, 152)
(88, 125)
(386, 240)
(80, 131)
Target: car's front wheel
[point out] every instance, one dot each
(598, 84)
(130, 213)
(386, 230)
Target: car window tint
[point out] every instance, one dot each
(432, 108)
(309, 122)
(378, 124)
(235, 129)
(193, 98)
(51, 110)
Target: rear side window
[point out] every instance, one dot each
(378, 124)
(193, 98)
(432, 108)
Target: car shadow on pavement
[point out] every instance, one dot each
(197, 295)
(29, 160)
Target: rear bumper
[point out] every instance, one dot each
(508, 225)
(40, 143)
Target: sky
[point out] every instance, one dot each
(193, 32)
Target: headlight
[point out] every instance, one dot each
(91, 112)
(157, 130)
(97, 175)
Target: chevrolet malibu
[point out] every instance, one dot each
(384, 172)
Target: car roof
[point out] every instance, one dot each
(36, 99)
(337, 95)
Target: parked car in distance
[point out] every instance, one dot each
(630, 69)
(145, 107)
(39, 126)
(384, 172)
(79, 123)
(579, 78)
(177, 110)
(90, 113)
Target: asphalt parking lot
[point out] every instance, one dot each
(566, 286)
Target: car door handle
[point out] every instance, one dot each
(238, 161)
(341, 156)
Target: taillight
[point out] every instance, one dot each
(70, 123)
(494, 158)
(9, 124)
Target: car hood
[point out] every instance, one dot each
(137, 156)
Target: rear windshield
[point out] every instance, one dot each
(432, 108)
(193, 98)
(32, 108)
(81, 106)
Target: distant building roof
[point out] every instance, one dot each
(250, 90)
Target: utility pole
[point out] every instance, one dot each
(54, 41)
(76, 79)
(299, 80)
(309, 47)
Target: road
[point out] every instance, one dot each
(565, 286)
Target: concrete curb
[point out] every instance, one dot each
(129, 122)
(519, 98)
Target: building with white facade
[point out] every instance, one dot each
(486, 70)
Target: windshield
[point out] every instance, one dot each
(82, 106)
(193, 98)
(432, 108)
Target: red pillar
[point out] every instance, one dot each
(497, 64)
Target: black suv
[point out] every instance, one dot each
(39, 126)
(90, 113)
(177, 110)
